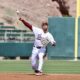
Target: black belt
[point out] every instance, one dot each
(39, 47)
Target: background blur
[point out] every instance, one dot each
(16, 40)
(35, 11)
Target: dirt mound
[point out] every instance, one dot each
(43, 77)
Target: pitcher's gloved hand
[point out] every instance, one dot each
(54, 44)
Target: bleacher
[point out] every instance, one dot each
(7, 27)
(10, 35)
(8, 32)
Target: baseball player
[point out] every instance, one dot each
(42, 38)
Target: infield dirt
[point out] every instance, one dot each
(14, 76)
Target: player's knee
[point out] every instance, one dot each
(41, 57)
(33, 62)
(32, 57)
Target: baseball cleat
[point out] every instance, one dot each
(38, 73)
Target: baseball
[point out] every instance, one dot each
(17, 11)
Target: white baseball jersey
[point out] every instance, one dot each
(41, 38)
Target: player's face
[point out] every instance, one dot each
(45, 28)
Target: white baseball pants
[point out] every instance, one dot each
(37, 58)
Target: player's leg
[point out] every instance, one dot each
(34, 61)
(40, 65)
(34, 58)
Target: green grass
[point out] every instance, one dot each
(50, 66)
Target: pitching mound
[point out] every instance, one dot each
(5, 76)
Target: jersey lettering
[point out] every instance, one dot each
(39, 37)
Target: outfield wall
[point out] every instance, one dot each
(63, 30)
(16, 49)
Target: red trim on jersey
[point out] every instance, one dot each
(27, 24)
